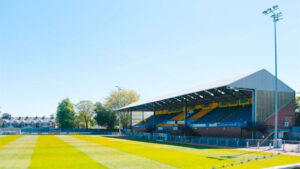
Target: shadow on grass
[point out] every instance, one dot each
(216, 158)
(185, 145)
(163, 143)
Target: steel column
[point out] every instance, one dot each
(253, 112)
(185, 112)
(276, 92)
(130, 119)
(154, 116)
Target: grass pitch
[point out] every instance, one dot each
(89, 152)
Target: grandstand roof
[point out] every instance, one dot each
(228, 89)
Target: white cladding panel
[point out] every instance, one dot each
(261, 80)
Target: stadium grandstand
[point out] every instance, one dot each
(241, 106)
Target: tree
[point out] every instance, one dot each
(78, 122)
(104, 116)
(85, 112)
(65, 114)
(297, 111)
(121, 98)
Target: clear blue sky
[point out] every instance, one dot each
(50, 50)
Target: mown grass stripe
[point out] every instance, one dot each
(6, 139)
(51, 152)
(237, 155)
(17, 153)
(261, 163)
(113, 158)
(170, 157)
(218, 153)
(266, 163)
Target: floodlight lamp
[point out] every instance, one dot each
(275, 7)
(265, 12)
(270, 10)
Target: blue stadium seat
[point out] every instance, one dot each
(228, 114)
(159, 119)
(216, 115)
(242, 114)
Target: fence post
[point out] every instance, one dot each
(237, 143)
(247, 144)
(283, 146)
(270, 146)
(257, 144)
(299, 147)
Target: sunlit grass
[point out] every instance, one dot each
(221, 153)
(192, 157)
(6, 139)
(91, 152)
(113, 158)
(270, 162)
(51, 152)
(175, 158)
(17, 153)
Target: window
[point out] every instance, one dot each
(286, 124)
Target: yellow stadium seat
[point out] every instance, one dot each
(178, 117)
(201, 113)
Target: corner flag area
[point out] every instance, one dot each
(93, 151)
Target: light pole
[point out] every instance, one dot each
(119, 106)
(276, 16)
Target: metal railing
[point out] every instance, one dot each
(263, 145)
(10, 131)
(51, 131)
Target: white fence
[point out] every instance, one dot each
(10, 131)
(54, 131)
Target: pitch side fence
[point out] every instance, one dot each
(54, 131)
(8, 131)
(261, 144)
